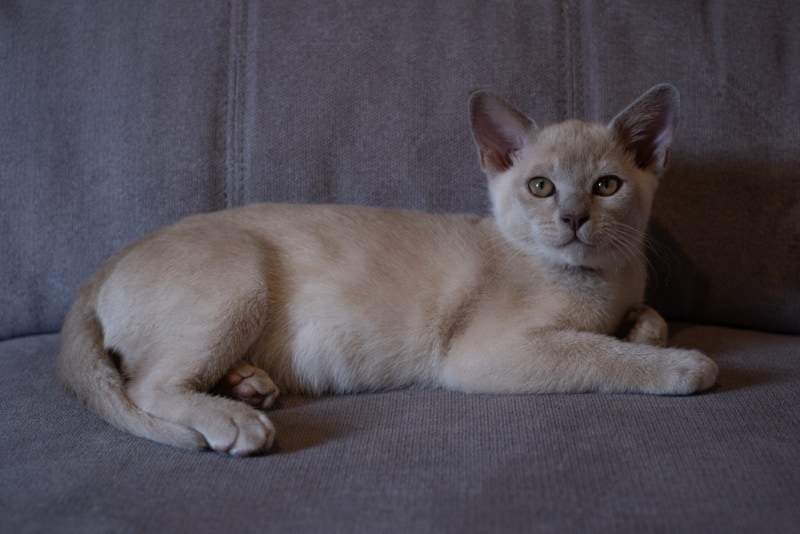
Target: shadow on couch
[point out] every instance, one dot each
(716, 230)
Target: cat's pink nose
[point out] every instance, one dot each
(574, 221)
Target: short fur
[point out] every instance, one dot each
(318, 299)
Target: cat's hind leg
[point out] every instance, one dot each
(228, 426)
(249, 384)
(171, 375)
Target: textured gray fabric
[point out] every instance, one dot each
(426, 461)
(112, 124)
(120, 117)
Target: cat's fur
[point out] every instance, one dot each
(341, 299)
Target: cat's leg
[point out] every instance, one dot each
(560, 361)
(248, 384)
(171, 377)
(646, 326)
(174, 388)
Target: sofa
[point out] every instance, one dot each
(117, 118)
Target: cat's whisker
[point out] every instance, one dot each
(627, 241)
(660, 258)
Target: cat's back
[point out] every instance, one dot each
(297, 237)
(316, 247)
(325, 235)
(354, 223)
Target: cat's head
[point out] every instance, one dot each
(575, 194)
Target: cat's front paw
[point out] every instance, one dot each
(683, 372)
(647, 327)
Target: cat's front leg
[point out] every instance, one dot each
(644, 325)
(568, 361)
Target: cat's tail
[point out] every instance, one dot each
(86, 370)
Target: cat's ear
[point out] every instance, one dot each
(499, 128)
(645, 127)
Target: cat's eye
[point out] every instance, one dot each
(606, 186)
(541, 187)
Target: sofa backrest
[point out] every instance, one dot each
(117, 119)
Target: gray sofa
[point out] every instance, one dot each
(120, 117)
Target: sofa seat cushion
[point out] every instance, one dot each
(426, 460)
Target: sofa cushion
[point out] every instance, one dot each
(121, 118)
(426, 460)
(112, 125)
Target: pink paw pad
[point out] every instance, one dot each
(249, 385)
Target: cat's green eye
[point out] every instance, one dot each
(541, 187)
(606, 186)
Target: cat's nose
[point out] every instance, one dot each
(574, 221)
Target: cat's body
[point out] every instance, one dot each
(339, 299)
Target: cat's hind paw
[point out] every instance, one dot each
(242, 432)
(249, 384)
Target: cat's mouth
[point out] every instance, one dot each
(574, 242)
(577, 253)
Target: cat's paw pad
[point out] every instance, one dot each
(648, 327)
(248, 384)
(686, 372)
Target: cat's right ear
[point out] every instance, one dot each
(499, 128)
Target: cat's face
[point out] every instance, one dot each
(575, 194)
(574, 197)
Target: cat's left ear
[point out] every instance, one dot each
(645, 128)
(500, 130)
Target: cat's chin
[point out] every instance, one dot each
(577, 255)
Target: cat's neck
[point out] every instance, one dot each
(601, 296)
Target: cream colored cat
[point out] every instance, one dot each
(184, 334)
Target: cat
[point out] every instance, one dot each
(184, 336)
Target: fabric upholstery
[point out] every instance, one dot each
(120, 117)
(426, 461)
(127, 116)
